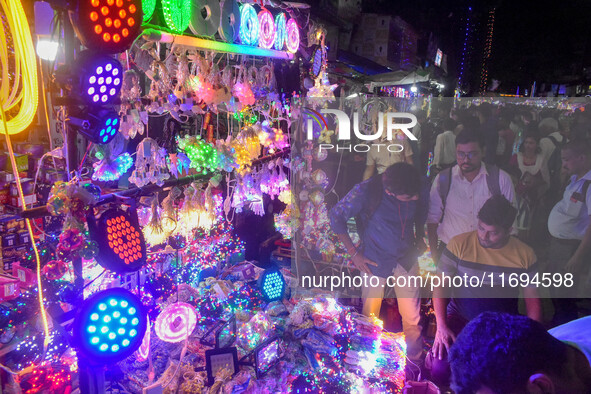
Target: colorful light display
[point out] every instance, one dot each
(110, 326)
(109, 26)
(176, 322)
(26, 61)
(292, 41)
(144, 350)
(280, 31)
(177, 14)
(272, 285)
(249, 25)
(148, 7)
(100, 78)
(266, 29)
(122, 246)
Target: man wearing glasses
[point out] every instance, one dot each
(458, 193)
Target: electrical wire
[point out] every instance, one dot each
(13, 95)
(29, 228)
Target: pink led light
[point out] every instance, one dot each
(266, 29)
(293, 36)
(176, 322)
(144, 349)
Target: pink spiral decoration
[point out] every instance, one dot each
(176, 322)
(144, 349)
(266, 29)
(293, 36)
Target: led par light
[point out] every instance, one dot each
(109, 26)
(110, 326)
(272, 284)
(100, 78)
(122, 247)
(99, 127)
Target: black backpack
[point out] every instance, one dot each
(555, 161)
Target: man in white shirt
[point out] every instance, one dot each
(503, 353)
(568, 223)
(445, 145)
(384, 153)
(468, 185)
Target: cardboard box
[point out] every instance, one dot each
(27, 185)
(9, 287)
(11, 223)
(8, 263)
(15, 252)
(9, 240)
(23, 237)
(24, 275)
(22, 162)
(4, 196)
(29, 199)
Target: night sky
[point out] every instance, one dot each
(542, 40)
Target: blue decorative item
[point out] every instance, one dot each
(110, 326)
(272, 285)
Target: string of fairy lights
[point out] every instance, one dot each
(487, 51)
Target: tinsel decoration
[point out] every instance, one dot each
(154, 231)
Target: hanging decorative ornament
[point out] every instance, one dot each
(150, 166)
(55, 269)
(293, 36)
(202, 89)
(280, 31)
(266, 29)
(249, 25)
(226, 155)
(203, 156)
(243, 92)
(178, 163)
(320, 154)
(317, 197)
(154, 231)
(176, 322)
(112, 162)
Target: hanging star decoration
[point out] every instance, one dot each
(322, 88)
(325, 136)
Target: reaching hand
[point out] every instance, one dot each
(444, 337)
(362, 263)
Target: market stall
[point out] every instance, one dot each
(159, 126)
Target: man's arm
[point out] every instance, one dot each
(369, 170)
(576, 264)
(444, 336)
(438, 151)
(533, 306)
(345, 209)
(433, 217)
(421, 214)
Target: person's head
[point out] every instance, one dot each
(421, 115)
(469, 150)
(547, 126)
(530, 143)
(448, 124)
(484, 111)
(495, 220)
(576, 157)
(402, 181)
(502, 353)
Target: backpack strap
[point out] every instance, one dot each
(554, 141)
(444, 186)
(492, 180)
(585, 189)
